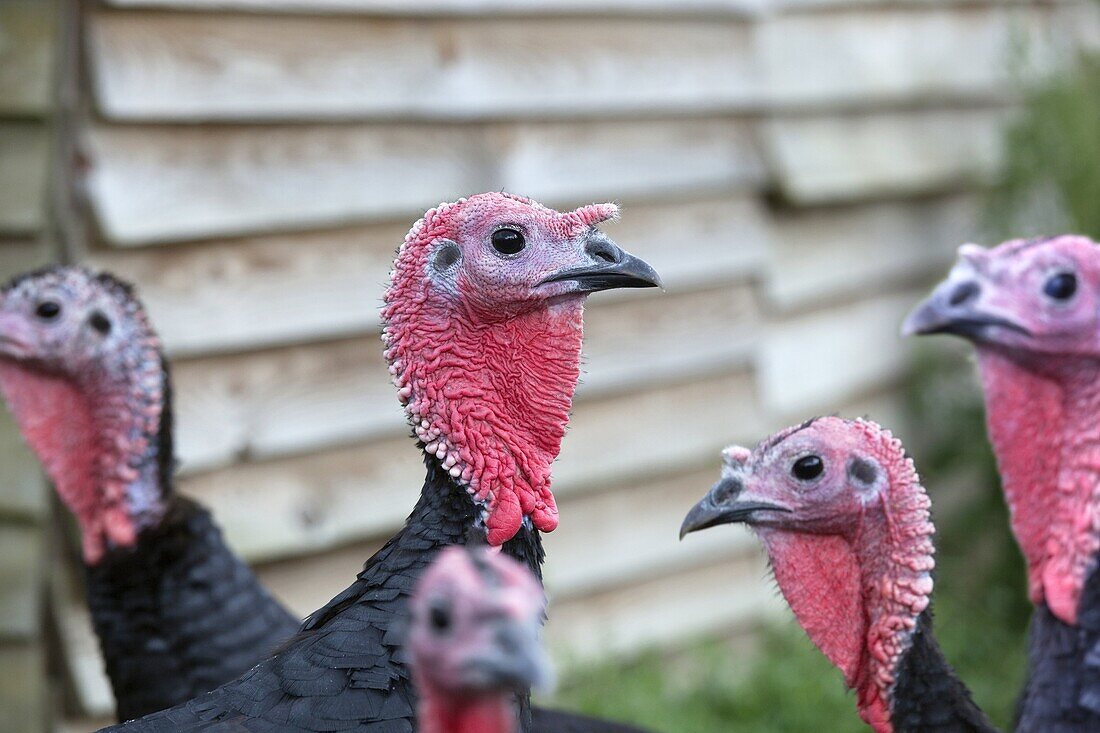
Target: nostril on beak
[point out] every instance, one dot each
(963, 293)
(602, 250)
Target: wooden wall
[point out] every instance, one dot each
(796, 169)
(28, 50)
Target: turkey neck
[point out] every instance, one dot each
(178, 613)
(1042, 415)
(444, 515)
(442, 713)
(105, 440)
(928, 696)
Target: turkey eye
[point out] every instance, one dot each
(808, 468)
(508, 241)
(440, 618)
(1062, 286)
(99, 322)
(48, 310)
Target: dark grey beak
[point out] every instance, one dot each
(953, 308)
(612, 268)
(721, 506)
(516, 661)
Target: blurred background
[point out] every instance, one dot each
(799, 171)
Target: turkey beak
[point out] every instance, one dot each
(954, 307)
(515, 660)
(611, 268)
(14, 336)
(725, 504)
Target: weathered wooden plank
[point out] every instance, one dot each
(21, 550)
(615, 537)
(460, 8)
(853, 57)
(298, 504)
(174, 66)
(24, 693)
(22, 488)
(24, 165)
(270, 290)
(19, 255)
(846, 157)
(631, 533)
(28, 33)
(155, 184)
(809, 363)
(646, 160)
(730, 593)
(852, 251)
(81, 663)
(435, 8)
(307, 397)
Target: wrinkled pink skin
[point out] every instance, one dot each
(485, 359)
(1042, 393)
(450, 701)
(853, 559)
(89, 404)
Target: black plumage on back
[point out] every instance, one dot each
(928, 696)
(1062, 692)
(345, 670)
(179, 613)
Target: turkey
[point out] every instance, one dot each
(845, 522)
(474, 640)
(483, 337)
(82, 371)
(1030, 307)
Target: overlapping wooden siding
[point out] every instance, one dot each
(796, 169)
(28, 32)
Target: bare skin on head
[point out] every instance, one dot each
(845, 522)
(473, 641)
(82, 372)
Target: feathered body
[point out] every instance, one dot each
(176, 612)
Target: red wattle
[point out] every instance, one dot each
(56, 421)
(1042, 423)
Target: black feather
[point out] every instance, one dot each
(928, 697)
(1062, 692)
(344, 670)
(179, 613)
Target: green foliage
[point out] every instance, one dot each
(1052, 176)
(785, 685)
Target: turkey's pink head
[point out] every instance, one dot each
(474, 639)
(1032, 310)
(845, 522)
(483, 336)
(1035, 296)
(82, 372)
